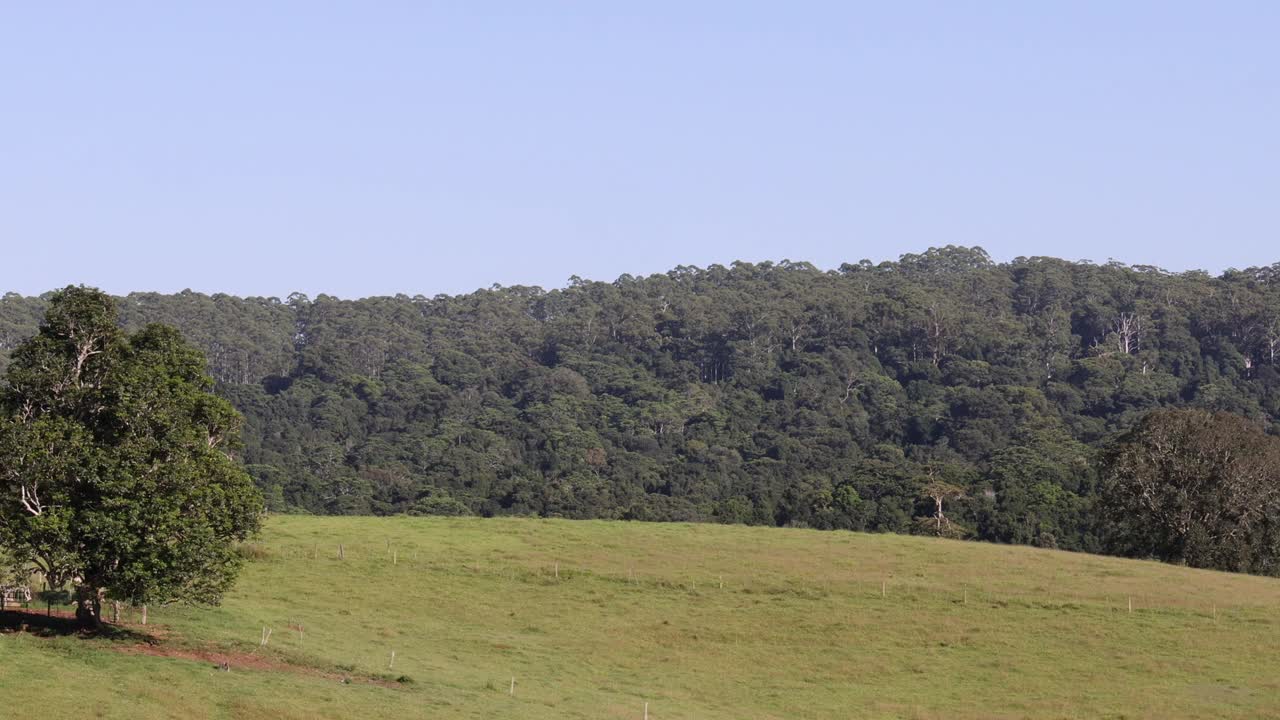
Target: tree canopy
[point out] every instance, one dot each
(114, 472)
(767, 393)
(1195, 487)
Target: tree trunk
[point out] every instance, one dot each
(89, 607)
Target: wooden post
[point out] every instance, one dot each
(882, 587)
(646, 711)
(115, 611)
(1215, 613)
(966, 596)
(1130, 603)
(341, 552)
(393, 557)
(393, 660)
(557, 570)
(513, 686)
(144, 614)
(721, 582)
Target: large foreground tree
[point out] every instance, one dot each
(1195, 487)
(115, 472)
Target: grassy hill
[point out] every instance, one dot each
(698, 621)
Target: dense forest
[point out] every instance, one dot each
(755, 393)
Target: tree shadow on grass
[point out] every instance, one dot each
(62, 624)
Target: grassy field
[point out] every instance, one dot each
(697, 621)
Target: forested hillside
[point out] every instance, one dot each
(768, 394)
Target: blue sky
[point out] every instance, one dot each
(381, 147)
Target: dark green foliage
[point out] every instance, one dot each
(1195, 487)
(763, 394)
(114, 475)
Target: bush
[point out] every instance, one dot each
(439, 502)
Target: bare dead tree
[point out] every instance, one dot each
(940, 491)
(1129, 329)
(851, 383)
(937, 333)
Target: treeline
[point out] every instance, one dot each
(766, 393)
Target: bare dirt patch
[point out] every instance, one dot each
(157, 641)
(238, 661)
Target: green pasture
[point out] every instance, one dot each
(596, 619)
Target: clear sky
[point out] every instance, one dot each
(380, 147)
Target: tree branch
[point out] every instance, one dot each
(31, 501)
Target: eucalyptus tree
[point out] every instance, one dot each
(1195, 487)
